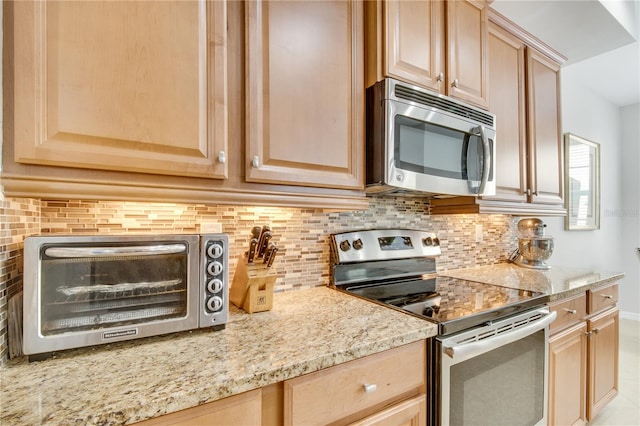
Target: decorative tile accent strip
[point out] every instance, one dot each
(301, 234)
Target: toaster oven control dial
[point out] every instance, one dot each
(214, 268)
(214, 286)
(214, 304)
(215, 250)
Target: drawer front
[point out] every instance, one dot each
(334, 393)
(602, 298)
(570, 311)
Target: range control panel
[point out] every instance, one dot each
(384, 244)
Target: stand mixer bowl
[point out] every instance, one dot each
(533, 247)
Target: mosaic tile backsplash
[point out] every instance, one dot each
(301, 234)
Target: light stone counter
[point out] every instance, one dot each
(125, 382)
(558, 282)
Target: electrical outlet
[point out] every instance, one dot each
(478, 233)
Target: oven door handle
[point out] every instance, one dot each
(154, 250)
(470, 350)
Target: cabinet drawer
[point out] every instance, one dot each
(570, 311)
(602, 298)
(335, 393)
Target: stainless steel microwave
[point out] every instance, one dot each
(90, 290)
(422, 142)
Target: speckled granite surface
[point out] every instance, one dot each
(126, 382)
(558, 282)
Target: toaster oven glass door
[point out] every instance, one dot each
(95, 287)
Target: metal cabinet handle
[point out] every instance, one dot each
(255, 162)
(596, 331)
(222, 157)
(587, 333)
(440, 77)
(455, 83)
(571, 311)
(607, 296)
(370, 388)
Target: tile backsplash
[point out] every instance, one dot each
(301, 234)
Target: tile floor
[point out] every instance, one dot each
(625, 408)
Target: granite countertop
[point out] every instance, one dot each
(558, 282)
(125, 382)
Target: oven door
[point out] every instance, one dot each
(89, 290)
(496, 374)
(428, 150)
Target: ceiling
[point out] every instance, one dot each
(598, 37)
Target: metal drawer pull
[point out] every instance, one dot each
(607, 296)
(571, 311)
(596, 331)
(370, 388)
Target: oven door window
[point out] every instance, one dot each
(434, 150)
(505, 386)
(100, 291)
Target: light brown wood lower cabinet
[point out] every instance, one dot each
(568, 368)
(243, 409)
(412, 412)
(583, 356)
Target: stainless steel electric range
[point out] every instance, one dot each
(488, 363)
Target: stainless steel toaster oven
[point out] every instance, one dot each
(89, 290)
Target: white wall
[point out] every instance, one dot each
(588, 115)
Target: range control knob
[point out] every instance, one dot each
(357, 244)
(214, 268)
(214, 304)
(344, 245)
(215, 250)
(436, 241)
(214, 286)
(427, 241)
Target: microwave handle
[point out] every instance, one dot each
(486, 155)
(154, 250)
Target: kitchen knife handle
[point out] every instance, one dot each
(262, 247)
(256, 231)
(252, 250)
(272, 255)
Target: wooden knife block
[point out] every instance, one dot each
(252, 287)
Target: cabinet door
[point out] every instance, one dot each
(412, 412)
(603, 360)
(467, 32)
(507, 101)
(242, 409)
(568, 376)
(129, 86)
(543, 117)
(414, 42)
(305, 93)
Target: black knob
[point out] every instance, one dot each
(357, 244)
(344, 245)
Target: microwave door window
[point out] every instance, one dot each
(429, 149)
(100, 292)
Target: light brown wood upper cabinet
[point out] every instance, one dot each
(524, 94)
(125, 86)
(305, 93)
(434, 44)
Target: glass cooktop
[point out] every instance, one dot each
(453, 303)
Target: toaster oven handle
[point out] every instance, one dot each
(154, 250)
(486, 157)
